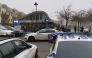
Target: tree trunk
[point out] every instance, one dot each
(78, 26)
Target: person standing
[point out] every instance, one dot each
(75, 28)
(82, 28)
(55, 28)
(63, 28)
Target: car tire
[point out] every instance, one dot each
(36, 54)
(31, 38)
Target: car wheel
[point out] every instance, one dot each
(31, 38)
(36, 54)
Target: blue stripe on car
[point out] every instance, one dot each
(84, 37)
(71, 37)
(90, 37)
(52, 55)
(51, 35)
(63, 37)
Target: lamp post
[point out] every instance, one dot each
(36, 11)
(46, 22)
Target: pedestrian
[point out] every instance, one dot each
(82, 28)
(75, 28)
(24, 28)
(55, 28)
(63, 28)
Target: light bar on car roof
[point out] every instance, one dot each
(73, 37)
(74, 33)
(67, 33)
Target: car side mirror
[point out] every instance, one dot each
(29, 46)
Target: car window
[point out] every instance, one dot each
(8, 27)
(1, 55)
(18, 27)
(21, 45)
(42, 31)
(2, 27)
(74, 49)
(50, 31)
(8, 50)
(86, 26)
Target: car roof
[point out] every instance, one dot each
(7, 40)
(75, 35)
(74, 38)
(71, 36)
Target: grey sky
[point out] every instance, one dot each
(49, 6)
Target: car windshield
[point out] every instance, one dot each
(9, 27)
(74, 49)
(18, 27)
(86, 26)
(3, 28)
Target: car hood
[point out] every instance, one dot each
(8, 31)
(18, 30)
(86, 29)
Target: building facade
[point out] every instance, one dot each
(7, 14)
(30, 20)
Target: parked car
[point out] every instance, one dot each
(86, 28)
(17, 32)
(16, 48)
(5, 32)
(71, 45)
(21, 27)
(39, 35)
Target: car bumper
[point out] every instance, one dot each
(10, 35)
(19, 33)
(26, 37)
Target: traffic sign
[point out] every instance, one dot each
(16, 21)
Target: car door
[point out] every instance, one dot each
(8, 50)
(25, 51)
(41, 35)
(49, 31)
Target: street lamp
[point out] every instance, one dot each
(46, 22)
(36, 11)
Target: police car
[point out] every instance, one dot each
(39, 35)
(72, 45)
(16, 48)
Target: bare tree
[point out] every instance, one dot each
(89, 15)
(79, 17)
(65, 14)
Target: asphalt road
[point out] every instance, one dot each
(43, 47)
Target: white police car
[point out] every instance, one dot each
(16, 48)
(72, 45)
(39, 35)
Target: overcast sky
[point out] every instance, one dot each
(49, 6)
